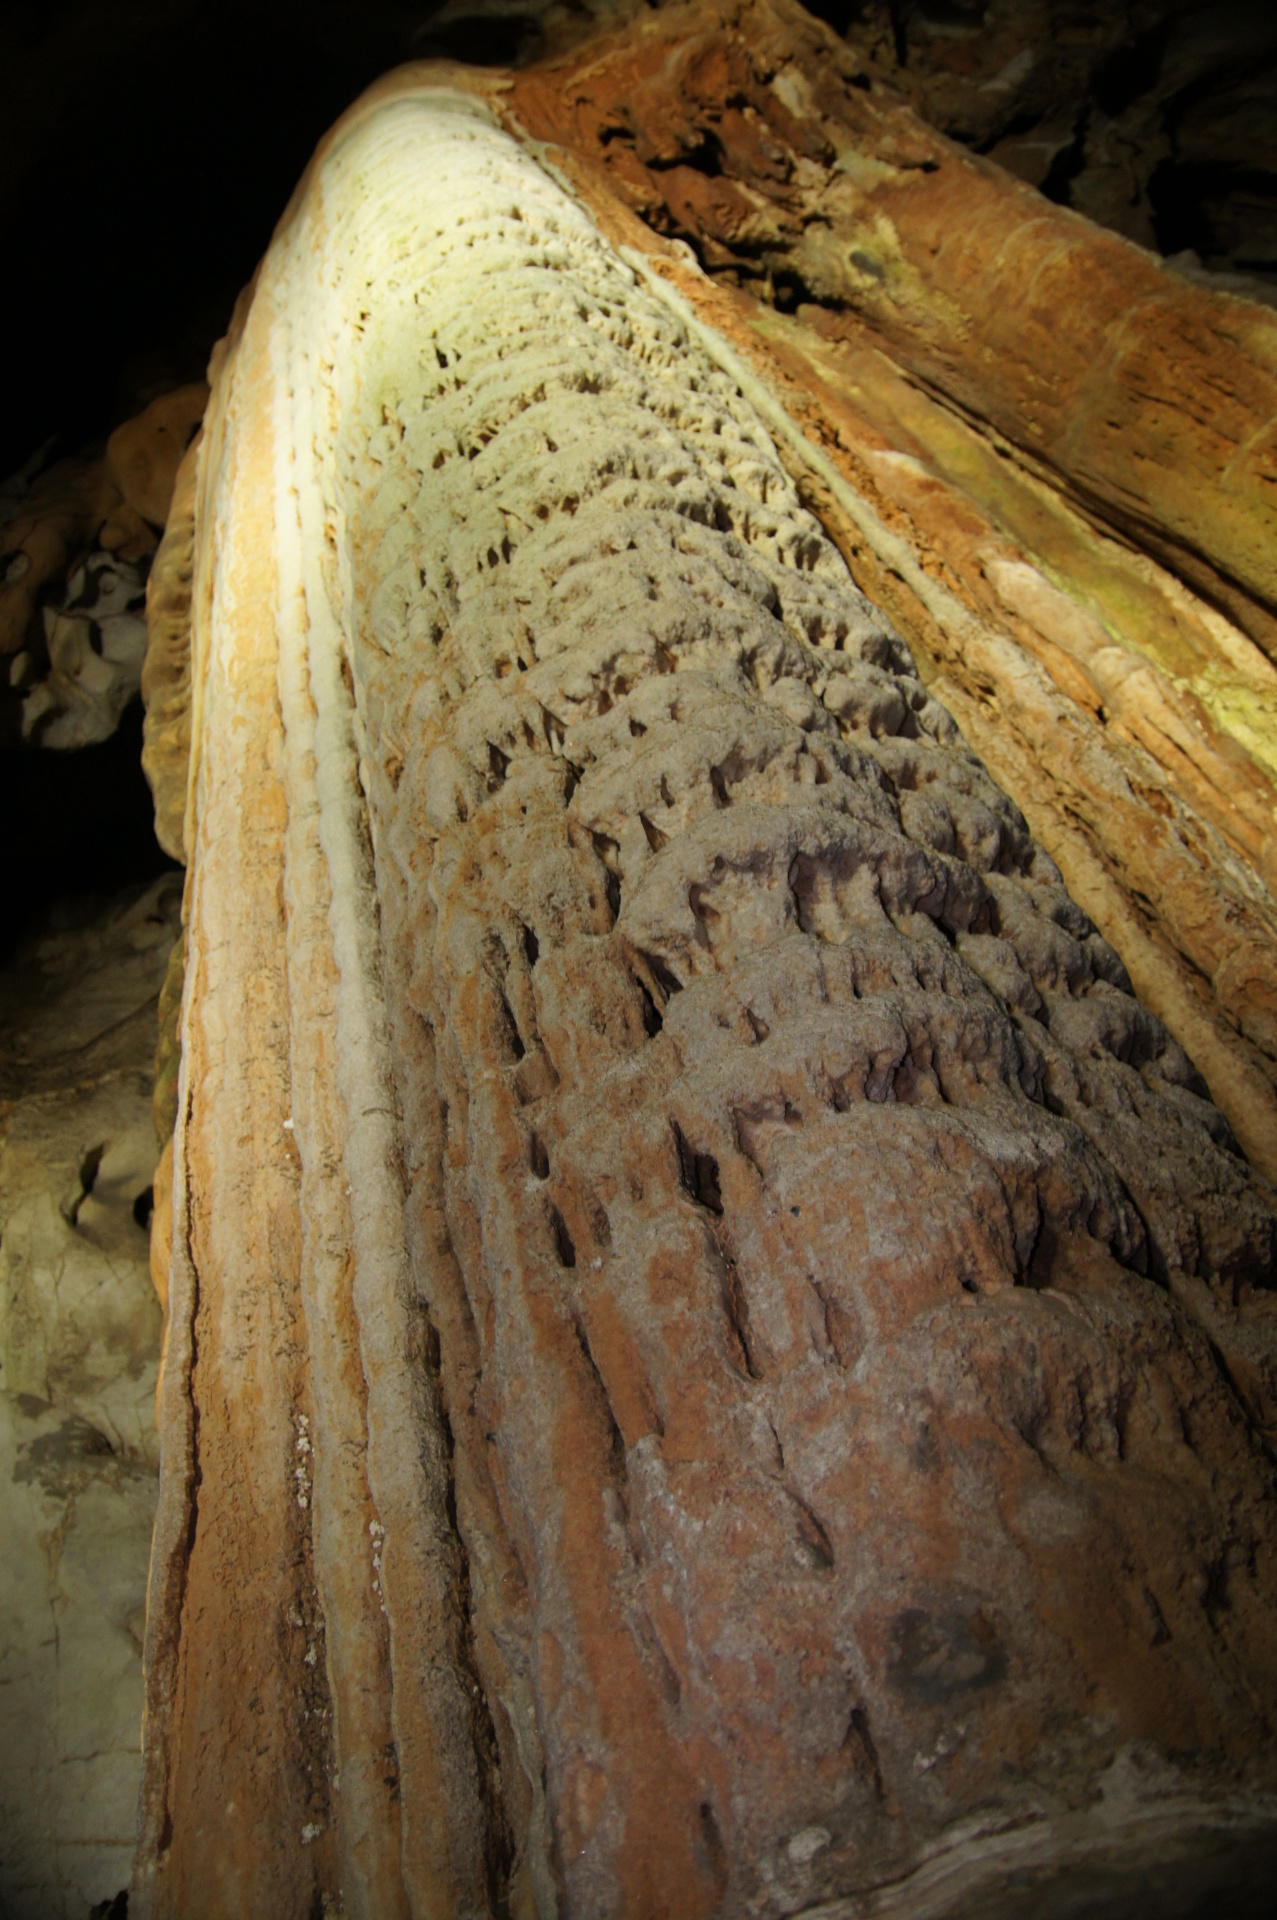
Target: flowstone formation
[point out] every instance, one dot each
(718, 1358)
(1050, 460)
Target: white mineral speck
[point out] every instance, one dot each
(804, 1846)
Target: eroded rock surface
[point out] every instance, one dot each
(718, 1356)
(745, 131)
(76, 1523)
(1156, 119)
(166, 671)
(1109, 675)
(1111, 678)
(75, 547)
(144, 454)
(79, 1339)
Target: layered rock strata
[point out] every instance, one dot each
(165, 681)
(751, 132)
(718, 1356)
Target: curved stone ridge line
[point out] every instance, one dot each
(814, 1381)
(1238, 1083)
(416, 1571)
(346, 1521)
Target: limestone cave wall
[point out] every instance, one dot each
(711, 666)
(652, 1125)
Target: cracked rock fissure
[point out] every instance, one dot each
(701, 1299)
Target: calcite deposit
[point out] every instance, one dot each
(1046, 457)
(165, 680)
(744, 129)
(719, 1359)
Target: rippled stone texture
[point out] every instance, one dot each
(1041, 452)
(166, 670)
(711, 1336)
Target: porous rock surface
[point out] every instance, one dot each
(718, 1358)
(1102, 666)
(750, 130)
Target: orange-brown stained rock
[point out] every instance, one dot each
(726, 1125)
(166, 671)
(238, 1734)
(162, 1226)
(143, 455)
(65, 510)
(854, 1323)
(113, 501)
(1139, 733)
(744, 130)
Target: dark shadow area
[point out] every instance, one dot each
(481, 40)
(838, 14)
(1131, 71)
(77, 823)
(147, 150)
(1155, 118)
(1198, 207)
(146, 153)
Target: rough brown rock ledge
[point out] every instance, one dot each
(718, 1358)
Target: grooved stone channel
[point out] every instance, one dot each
(718, 1357)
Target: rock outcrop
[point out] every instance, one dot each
(74, 552)
(1157, 119)
(79, 1336)
(166, 673)
(719, 1358)
(144, 455)
(76, 1523)
(758, 145)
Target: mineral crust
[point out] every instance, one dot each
(719, 1359)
